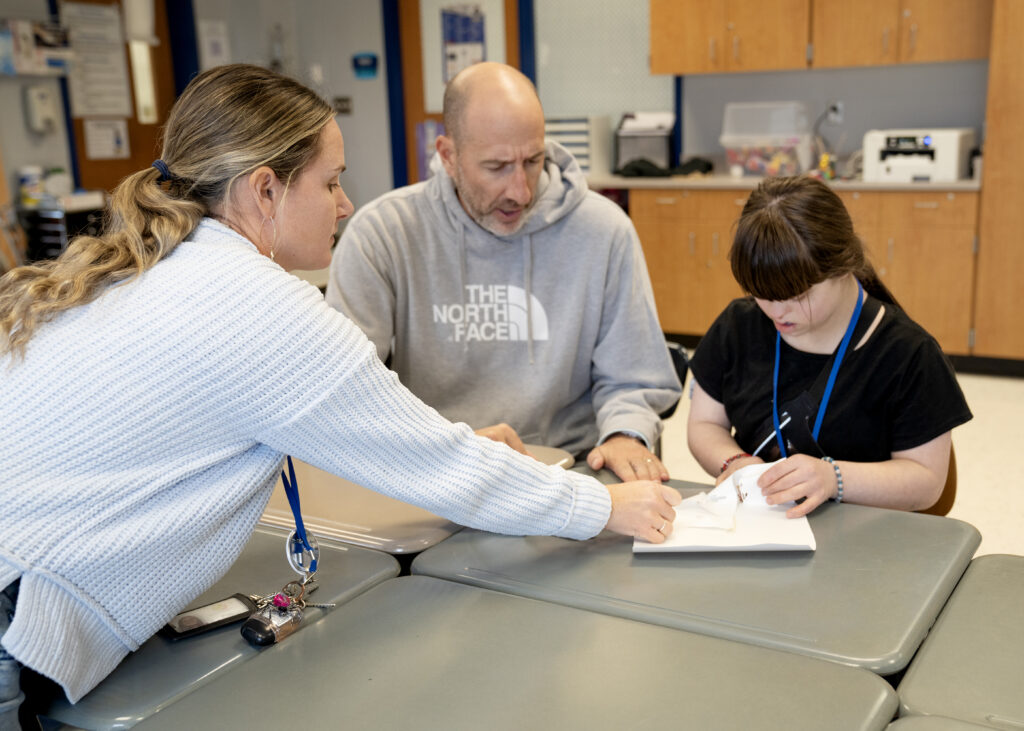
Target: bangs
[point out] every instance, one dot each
(769, 259)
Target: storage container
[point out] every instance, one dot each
(766, 138)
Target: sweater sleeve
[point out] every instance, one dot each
(323, 396)
(633, 377)
(359, 285)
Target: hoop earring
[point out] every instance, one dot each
(273, 240)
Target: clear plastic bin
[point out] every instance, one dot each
(766, 138)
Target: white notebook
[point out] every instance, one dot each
(734, 517)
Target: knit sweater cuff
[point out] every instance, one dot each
(591, 509)
(60, 638)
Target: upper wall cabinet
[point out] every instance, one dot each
(876, 32)
(700, 37)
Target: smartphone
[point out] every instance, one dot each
(210, 616)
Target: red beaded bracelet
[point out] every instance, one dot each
(732, 459)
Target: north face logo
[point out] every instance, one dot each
(492, 312)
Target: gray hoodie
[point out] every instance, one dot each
(551, 329)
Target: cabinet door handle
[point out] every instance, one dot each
(714, 244)
(665, 200)
(711, 49)
(913, 37)
(885, 41)
(693, 246)
(926, 204)
(736, 48)
(892, 248)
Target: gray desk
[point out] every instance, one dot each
(866, 597)
(162, 670)
(337, 508)
(421, 653)
(932, 723)
(971, 667)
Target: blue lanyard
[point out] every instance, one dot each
(300, 542)
(831, 376)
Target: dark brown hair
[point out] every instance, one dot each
(793, 233)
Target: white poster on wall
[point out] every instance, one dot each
(98, 79)
(214, 44)
(106, 139)
(455, 35)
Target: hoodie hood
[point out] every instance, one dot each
(562, 186)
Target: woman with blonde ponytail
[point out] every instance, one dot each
(819, 370)
(154, 377)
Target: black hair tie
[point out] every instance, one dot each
(165, 172)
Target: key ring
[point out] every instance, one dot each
(296, 554)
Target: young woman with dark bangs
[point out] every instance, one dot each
(819, 367)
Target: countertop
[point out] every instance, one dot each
(598, 181)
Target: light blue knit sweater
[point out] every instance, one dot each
(143, 433)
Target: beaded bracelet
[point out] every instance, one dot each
(732, 459)
(839, 479)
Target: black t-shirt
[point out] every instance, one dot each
(897, 391)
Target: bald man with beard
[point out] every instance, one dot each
(506, 294)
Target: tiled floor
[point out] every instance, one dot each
(990, 493)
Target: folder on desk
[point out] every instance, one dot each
(733, 517)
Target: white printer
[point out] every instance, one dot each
(917, 155)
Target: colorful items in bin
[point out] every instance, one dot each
(766, 138)
(766, 161)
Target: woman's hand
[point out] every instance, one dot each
(799, 476)
(643, 509)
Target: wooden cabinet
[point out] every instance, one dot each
(862, 33)
(686, 236)
(699, 37)
(874, 32)
(922, 244)
(999, 331)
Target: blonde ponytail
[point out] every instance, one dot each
(228, 122)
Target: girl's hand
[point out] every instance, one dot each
(799, 476)
(737, 464)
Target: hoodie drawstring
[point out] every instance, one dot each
(462, 279)
(527, 285)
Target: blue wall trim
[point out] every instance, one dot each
(396, 99)
(181, 26)
(527, 47)
(677, 130)
(76, 175)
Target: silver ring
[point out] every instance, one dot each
(663, 524)
(649, 460)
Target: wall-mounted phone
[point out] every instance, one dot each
(41, 108)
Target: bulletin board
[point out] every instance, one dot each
(413, 71)
(456, 33)
(142, 140)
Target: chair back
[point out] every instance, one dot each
(945, 502)
(681, 362)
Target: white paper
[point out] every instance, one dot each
(106, 139)
(98, 81)
(719, 521)
(214, 43)
(649, 122)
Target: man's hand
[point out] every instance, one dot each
(503, 433)
(628, 458)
